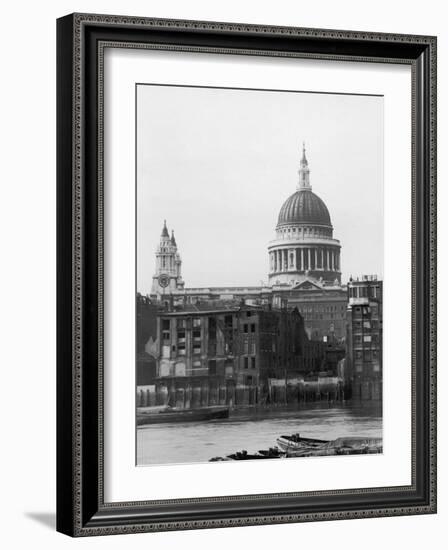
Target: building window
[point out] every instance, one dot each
(196, 333)
(212, 328)
(181, 348)
(367, 338)
(253, 362)
(252, 328)
(246, 362)
(246, 329)
(196, 322)
(165, 324)
(166, 336)
(196, 348)
(212, 367)
(229, 368)
(181, 335)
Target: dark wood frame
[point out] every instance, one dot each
(81, 510)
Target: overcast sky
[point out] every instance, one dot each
(218, 164)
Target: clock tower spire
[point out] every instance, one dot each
(167, 277)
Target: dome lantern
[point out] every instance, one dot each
(304, 172)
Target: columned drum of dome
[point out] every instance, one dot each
(304, 246)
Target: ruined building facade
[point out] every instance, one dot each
(227, 354)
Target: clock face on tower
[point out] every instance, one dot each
(164, 280)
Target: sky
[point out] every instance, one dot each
(218, 164)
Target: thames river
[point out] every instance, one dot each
(252, 429)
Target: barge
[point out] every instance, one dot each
(164, 415)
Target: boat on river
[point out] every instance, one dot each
(272, 452)
(340, 446)
(293, 446)
(295, 442)
(356, 445)
(166, 414)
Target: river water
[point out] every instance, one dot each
(253, 429)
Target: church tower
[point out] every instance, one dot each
(167, 277)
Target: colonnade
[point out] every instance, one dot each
(305, 258)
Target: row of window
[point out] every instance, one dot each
(316, 317)
(368, 324)
(367, 355)
(375, 367)
(366, 310)
(249, 362)
(249, 347)
(182, 323)
(305, 231)
(366, 338)
(182, 327)
(322, 308)
(368, 291)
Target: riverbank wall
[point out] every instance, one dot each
(187, 394)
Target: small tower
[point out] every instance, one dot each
(167, 277)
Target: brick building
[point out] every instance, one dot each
(364, 338)
(216, 353)
(146, 334)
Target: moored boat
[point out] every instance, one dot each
(295, 442)
(272, 452)
(294, 446)
(356, 445)
(162, 415)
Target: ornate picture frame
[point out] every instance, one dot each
(81, 506)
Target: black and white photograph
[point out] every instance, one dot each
(223, 237)
(259, 274)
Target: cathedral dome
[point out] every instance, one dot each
(304, 246)
(304, 207)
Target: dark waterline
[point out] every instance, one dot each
(253, 429)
